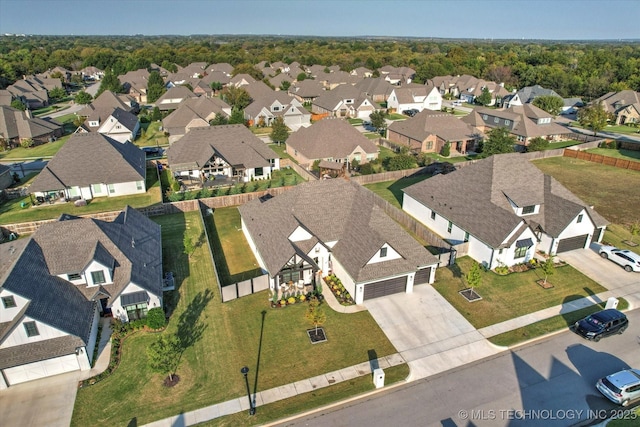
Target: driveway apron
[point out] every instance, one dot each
(428, 331)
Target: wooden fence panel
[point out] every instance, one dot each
(605, 160)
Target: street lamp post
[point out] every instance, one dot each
(245, 371)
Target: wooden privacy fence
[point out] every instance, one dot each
(605, 160)
(244, 288)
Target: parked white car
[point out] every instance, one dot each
(630, 261)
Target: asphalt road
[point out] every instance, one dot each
(547, 383)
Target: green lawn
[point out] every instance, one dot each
(43, 151)
(391, 191)
(612, 191)
(281, 151)
(513, 295)
(618, 235)
(454, 159)
(229, 335)
(618, 153)
(562, 144)
(152, 136)
(12, 212)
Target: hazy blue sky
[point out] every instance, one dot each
(532, 19)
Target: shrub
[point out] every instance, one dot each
(175, 185)
(446, 149)
(190, 195)
(155, 318)
(502, 270)
(291, 300)
(175, 197)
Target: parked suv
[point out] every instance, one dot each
(621, 387)
(601, 324)
(630, 261)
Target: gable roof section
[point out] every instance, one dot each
(355, 222)
(91, 158)
(476, 198)
(331, 137)
(330, 99)
(444, 126)
(235, 143)
(16, 124)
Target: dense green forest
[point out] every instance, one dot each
(586, 69)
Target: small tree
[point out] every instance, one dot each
(593, 117)
(189, 247)
(550, 103)
(219, 119)
(164, 355)
(156, 114)
(538, 144)
(26, 143)
(18, 105)
(285, 85)
(237, 117)
(57, 93)
(634, 229)
(378, 120)
(156, 318)
(485, 97)
(474, 276)
(83, 98)
(315, 314)
(446, 149)
(216, 86)
(279, 131)
(548, 268)
(498, 141)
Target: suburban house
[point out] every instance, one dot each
(226, 152)
(91, 73)
(306, 91)
(216, 76)
(428, 131)
(527, 94)
(454, 85)
(361, 72)
(523, 122)
(106, 103)
(397, 75)
(497, 92)
(192, 113)
(297, 241)
(500, 210)
(414, 96)
(55, 284)
(240, 80)
(120, 125)
(34, 91)
(378, 89)
(268, 104)
(221, 67)
(92, 165)
(624, 106)
(17, 126)
(344, 101)
(333, 140)
(171, 99)
(6, 178)
(135, 84)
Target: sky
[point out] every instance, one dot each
(466, 19)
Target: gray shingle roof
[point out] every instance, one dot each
(91, 158)
(235, 143)
(476, 198)
(332, 210)
(446, 126)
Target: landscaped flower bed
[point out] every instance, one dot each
(291, 298)
(338, 289)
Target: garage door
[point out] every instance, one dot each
(45, 368)
(422, 276)
(572, 243)
(385, 287)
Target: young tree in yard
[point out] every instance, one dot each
(83, 98)
(219, 119)
(189, 247)
(548, 268)
(57, 93)
(155, 87)
(279, 131)
(498, 141)
(285, 85)
(485, 97)
(538, 144)
(377, 119)
(156, 115)
(237, 117)
(474, 276)
(315, 314)
(593, 117)
(550, 103)
(164, 355)
(300, 77)
(236, 97)
(446, 149)
(216, 87)
(110, 82)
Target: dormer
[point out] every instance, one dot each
(385, 253)
(10, 305)
(300, 234)
(524, 207)
(99, 268)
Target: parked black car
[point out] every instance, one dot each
(601, 324)
(153, 151)
(412, 112)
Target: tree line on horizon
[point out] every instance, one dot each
(584, 69)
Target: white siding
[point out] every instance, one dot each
(19, 336)
(391, 255)
(119, 312)
(96, 266)
(347, 281)
(8, 314)
(299, 234)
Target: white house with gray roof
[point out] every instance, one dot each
(334, 226)
(227, 151)
(55, 284)
(503, 209)
(92, 165)
(415, 96)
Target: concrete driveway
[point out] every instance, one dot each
(605, 272)
(428, 332)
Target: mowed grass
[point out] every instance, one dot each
(391, 191)
(272, 342)
(619, 153)
(12, 212)
(612, 191)
(42, 151)
(513, 295)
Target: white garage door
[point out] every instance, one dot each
(45, 368)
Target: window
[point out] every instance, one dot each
(31, 329)
(112, 189)
(136, 311)
(485, 117)
(433, 214)
(466, 236)
(258, 171)
(496, 120)
(139, 186)
(383, 252)
(449, 227)
(528, 210)
(8, 302)
(507, 122)
(97, 188)
(521, 252)
(276, 108)
(579, 219)
(429, 145)
(97, 277)
(74, 276)
(290, 276)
